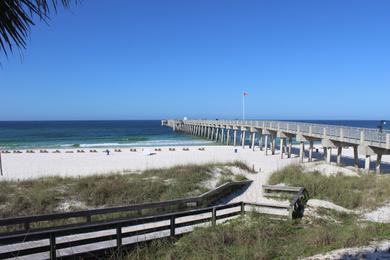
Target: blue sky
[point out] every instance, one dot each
(144, 59)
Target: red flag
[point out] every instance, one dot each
(246, 94)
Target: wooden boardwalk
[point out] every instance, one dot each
(111, 237)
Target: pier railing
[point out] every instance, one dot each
(353, 134)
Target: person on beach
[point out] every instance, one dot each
(108, 152)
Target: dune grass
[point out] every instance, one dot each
(56, 194)
(366, 191)
(258, 237)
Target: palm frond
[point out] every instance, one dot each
(16, 18)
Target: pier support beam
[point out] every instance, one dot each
(212, 133)
(228, 136)
(289, 147)
(266, 144)
(243, 135)
(325, 153)
(222, 135)
(216, 134)
(311, 151)
(367, 164)
(253, 136)
(273, 138)
(378, 163)
(329, 155)
(339, 152)
(235, 137)
(260, 141)
(356, 157)
(301, 151)
(281, 147)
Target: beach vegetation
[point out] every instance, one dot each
(259, 237)
(59, 194)
(352, 192)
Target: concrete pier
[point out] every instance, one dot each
(365, 142)
(301, 151)
(253, 137)
(273, 144)
(339, 151)
(235, 137)
(329, 155)
(243, 135)
(281, 147)
(266, 144)
(311, 151)
(378, 163)
(367, 164)
(228, 136)
(289, 147)
(260, 140)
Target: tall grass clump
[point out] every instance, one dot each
(366, 191)
(49, 194)
(258, 237)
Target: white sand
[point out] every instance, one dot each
(330, 169)
(376, 250)
(381, 214)
(315, 203)
(25, 165)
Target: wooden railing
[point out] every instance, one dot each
(297, 204)
(111, 237)
(202, 200)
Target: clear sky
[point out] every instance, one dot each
(144, 59)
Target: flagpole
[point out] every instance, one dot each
(243, 106)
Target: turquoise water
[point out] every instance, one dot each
(85, 134)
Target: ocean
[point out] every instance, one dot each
(95, 134)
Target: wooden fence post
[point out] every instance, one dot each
(242, 208)
(172, 226)
(214, 217)
(52, 247)
(119, 240)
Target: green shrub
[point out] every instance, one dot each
(367, 191)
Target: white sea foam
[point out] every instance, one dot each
(142, 143)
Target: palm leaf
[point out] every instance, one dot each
(16, 18)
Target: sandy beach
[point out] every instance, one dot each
(32, 165)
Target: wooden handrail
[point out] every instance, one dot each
(27, 220)
(116, 225)
(53, 244)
